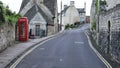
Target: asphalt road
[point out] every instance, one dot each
(68, 50)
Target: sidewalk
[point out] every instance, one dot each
(13, 52)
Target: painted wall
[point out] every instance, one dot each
(71, 16)
(37, 20)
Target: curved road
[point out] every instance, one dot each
(68, 50)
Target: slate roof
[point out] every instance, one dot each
(51, 5)
(81, 10)
(24, 3)
(31, 13)
(64, 11)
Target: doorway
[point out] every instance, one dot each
(37, 30)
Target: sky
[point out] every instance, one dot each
(14, 5)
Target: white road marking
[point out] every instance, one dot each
(97, 53)
(29, 51)
(61, 60)
(79, 42)
(42, 48)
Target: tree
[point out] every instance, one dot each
(8, 11)
(2, 18)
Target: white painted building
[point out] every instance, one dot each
(70, 15)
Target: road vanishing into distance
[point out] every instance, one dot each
(69, 49)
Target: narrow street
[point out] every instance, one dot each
(68, 50)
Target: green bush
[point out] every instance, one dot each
(93, 25)
(6, 15)
(67, 26)
(72, 26)
(2, 18)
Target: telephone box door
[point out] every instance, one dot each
(23, 29)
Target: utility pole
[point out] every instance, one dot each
(61, 17)
(98, 13)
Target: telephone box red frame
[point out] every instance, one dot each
(23, 29)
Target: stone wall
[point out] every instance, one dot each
(7, 35)
(112, 15)
(112, 3)
(50, 30)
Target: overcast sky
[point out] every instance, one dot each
(15, 4)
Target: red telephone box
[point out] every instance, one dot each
(23, 33)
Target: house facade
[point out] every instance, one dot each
(70, 15)
(41, 17)
(82, 15)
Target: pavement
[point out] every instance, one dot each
(13, 52)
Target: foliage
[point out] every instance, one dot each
(67, 26)
(6, 15)
(93, 25)
(97, 6)
(2, 18)
(72, 26)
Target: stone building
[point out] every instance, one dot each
(109, 19)
(42, 16)
(70, 15)
(112, 3)
(82, 14)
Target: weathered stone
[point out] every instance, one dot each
(112, 15)
(7, 36)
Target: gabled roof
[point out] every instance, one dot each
(64, 10)
(81, 10)
(32, 12)
(51, 5)
(24, 3)
(41, 8)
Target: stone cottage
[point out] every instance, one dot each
(42, 16)
(70, 15)
(82, 13)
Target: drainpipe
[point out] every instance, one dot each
(61, 17)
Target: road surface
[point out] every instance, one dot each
(68, 50)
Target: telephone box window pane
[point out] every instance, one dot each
(22, 29)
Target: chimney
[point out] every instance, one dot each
(72, 3)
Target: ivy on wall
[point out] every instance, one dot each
(96, 6)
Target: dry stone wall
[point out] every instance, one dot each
(7, 36)
(112, 15)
